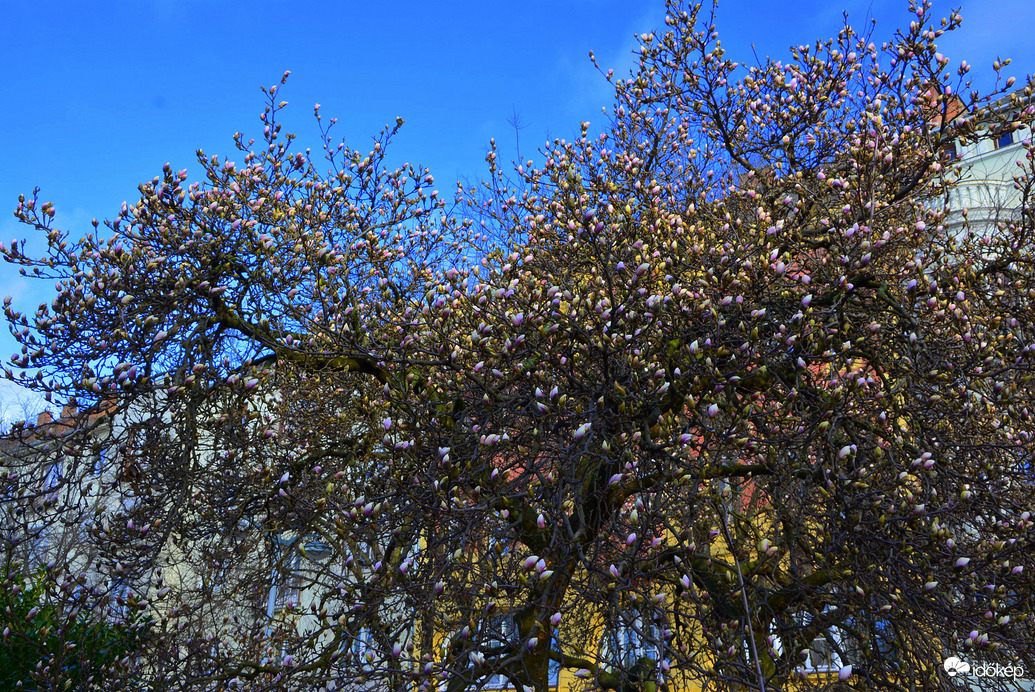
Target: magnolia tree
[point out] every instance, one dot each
(708, 398)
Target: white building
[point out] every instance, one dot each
(989, 163)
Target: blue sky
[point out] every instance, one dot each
(100, 95)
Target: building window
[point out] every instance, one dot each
(289, 584)
(1004, 140)
(949, 152)
(821, 657)
(119, 595)
(362, 649)
(635, 636)
(53, 478)
(100, 462)
(500, 632)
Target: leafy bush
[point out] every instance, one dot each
(49, 642)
